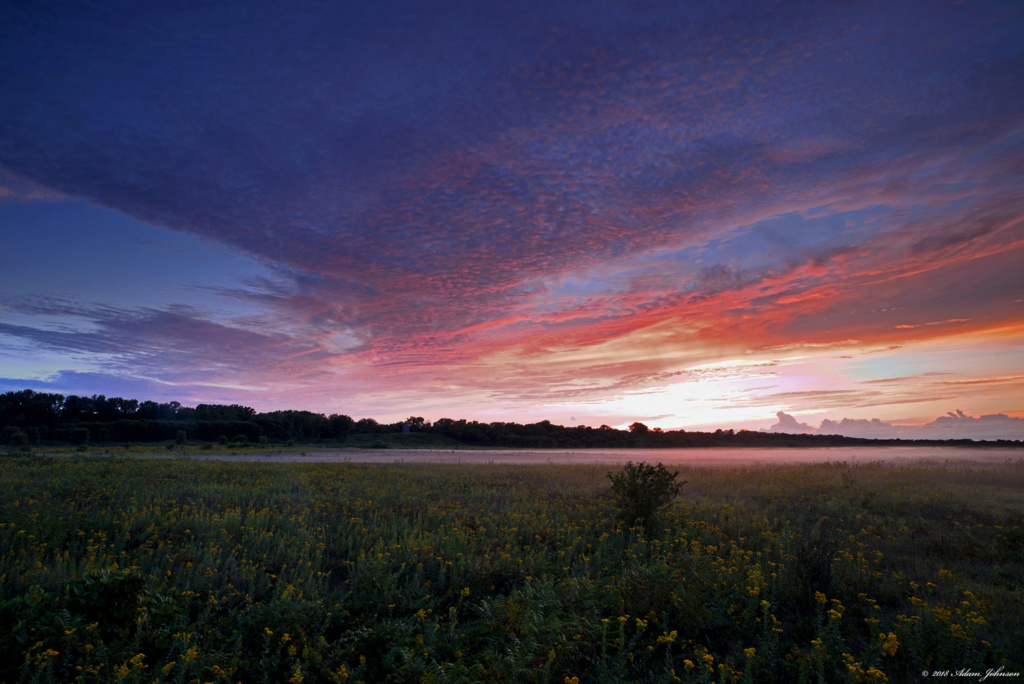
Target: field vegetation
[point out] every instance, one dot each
(120, 569)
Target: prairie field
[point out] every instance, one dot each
(127, 569)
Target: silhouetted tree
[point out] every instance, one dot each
(642, 492)
(340, 426)
(367, 425)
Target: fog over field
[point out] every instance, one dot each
(612, 457)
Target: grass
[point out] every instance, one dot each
(143, 570)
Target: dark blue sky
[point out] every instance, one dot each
(530, 209)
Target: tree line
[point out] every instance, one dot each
(28, 417)
(37, 416)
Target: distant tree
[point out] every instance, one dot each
(443, 425)
(148, 410)
(80, 435)
(27, 409)
(416, 423)
(33, 434)
(642, 492)
(168, 411)
(339, 426)
(367, 425)
(638, 428)
(221, 412)
(19, 440)
(76, 408)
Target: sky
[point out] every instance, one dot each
(699, 215)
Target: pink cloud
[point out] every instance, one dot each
(954, 425)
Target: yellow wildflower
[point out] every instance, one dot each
(890, 644)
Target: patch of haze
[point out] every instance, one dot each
(701, 457)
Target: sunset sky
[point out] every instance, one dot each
(694, 215)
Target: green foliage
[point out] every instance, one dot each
(168, 570)
(33, 435)
(180, 437)
(18, 440)
(80, 436)
(110, 596)
(642, 492)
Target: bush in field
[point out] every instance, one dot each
(642, 492)
(19, 441)
(80, 436)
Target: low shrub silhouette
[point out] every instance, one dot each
(642, 492)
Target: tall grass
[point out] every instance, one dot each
(115, 569)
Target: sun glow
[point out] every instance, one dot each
(916, 381)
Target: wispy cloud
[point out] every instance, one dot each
(527, 205)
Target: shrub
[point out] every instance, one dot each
(18, 440)
(80, 435)
(181, 437)
(110, 597)
(642, 492)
